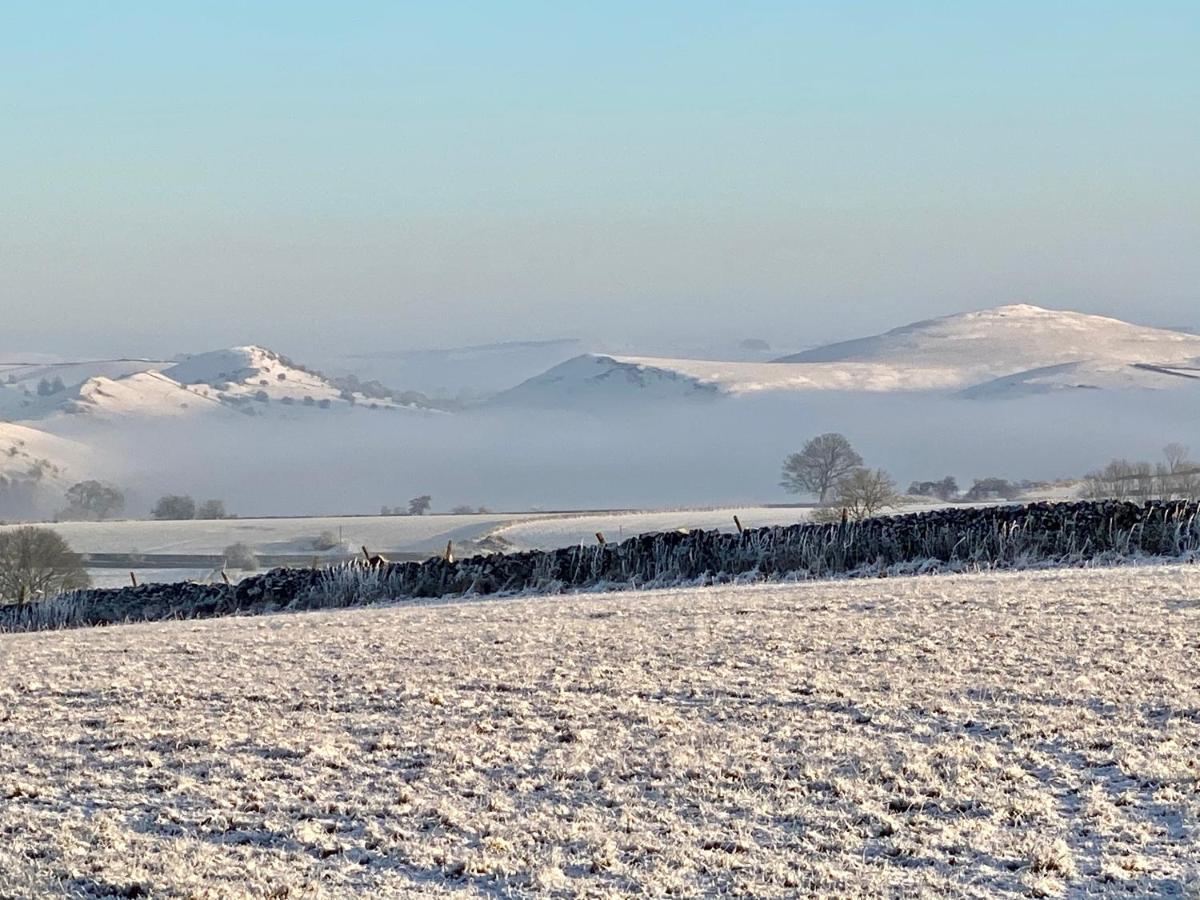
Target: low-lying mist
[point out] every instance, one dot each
(726, 451)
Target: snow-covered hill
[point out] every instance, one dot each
(1017, 392)
(69, 420)
(1088, 375)
(251, 380)
(614, 380)
(1010, 339)
(35, 469)
(251, 372)
(1004, 352)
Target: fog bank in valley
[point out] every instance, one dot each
(697, 453)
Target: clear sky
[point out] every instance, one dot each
(367, 175)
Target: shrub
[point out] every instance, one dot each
(240, 556)
(326, 540)
(37, 562)
(174, 506)
(211, 509)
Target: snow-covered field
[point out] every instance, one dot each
(551, 532)
(408, 534)
(400, 534)
(982, 735)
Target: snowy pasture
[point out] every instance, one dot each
(400, 534)
(552, 532)
(976, 735)
(283, 535)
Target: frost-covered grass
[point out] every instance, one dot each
(976, 735)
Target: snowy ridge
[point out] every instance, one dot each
(250, 372)
(34, 459)
(614, 379)
(1009, 351)
(1088, 375)
(1010, 339)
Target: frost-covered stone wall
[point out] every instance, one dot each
(951, 539)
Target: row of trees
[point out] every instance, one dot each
(982, 489)
(95, 501)
(417, 506)
(830, 468)
(1176, 477)
(181, 506)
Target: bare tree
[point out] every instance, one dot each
(37, 562)
(418, 506)
(1180, 474)
(820, 465)
(1175, 479)
(865, 492)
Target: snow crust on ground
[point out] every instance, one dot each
(989, 735)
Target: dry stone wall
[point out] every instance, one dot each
(950, 539)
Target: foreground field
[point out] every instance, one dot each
(967, 735)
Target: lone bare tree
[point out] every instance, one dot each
(418, 506)
(865, 492)
(37, 562)
(820, 465)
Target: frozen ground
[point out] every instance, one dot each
(984, 735)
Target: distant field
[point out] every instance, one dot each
(566, 531)
(290, 540)
(388, 534)
(973, 736)
(113, 578)
(203, 537)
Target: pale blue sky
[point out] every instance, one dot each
(371, 175)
